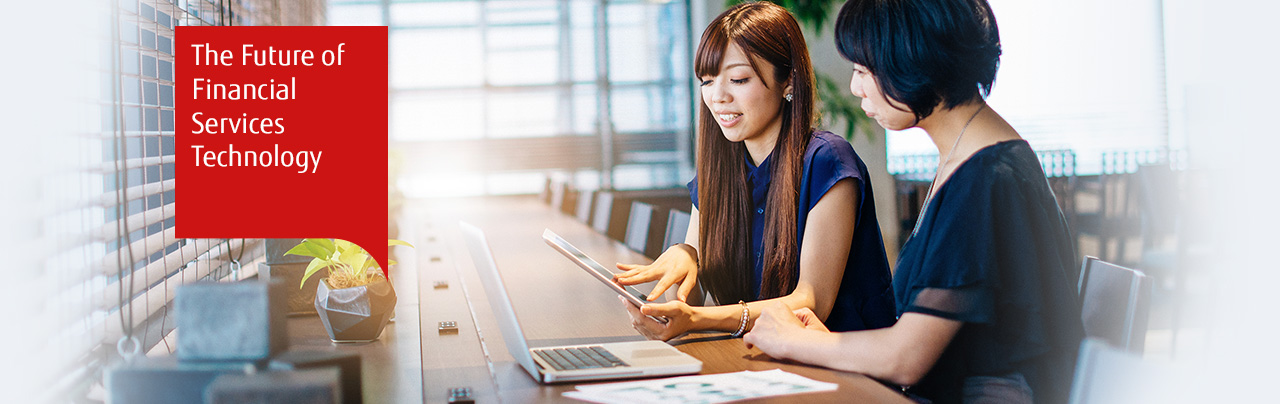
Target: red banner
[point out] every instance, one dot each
(282, 133)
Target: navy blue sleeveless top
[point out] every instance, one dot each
(865, 299)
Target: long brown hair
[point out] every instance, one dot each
(768, 32)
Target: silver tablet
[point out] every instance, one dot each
(596, 270)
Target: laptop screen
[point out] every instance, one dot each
(487, 269)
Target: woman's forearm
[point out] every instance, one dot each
(901, 354)
(868, 352)
(728, 317)
(725, 318)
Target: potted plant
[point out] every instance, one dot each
(355, 301)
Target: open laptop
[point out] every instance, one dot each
(617, 360)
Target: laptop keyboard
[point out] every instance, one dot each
(591, 357)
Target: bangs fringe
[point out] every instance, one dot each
(711, 51)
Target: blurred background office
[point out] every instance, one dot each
(1150, 117)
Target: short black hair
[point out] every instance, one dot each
(923, 52)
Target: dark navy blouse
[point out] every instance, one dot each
(993, 251)
(864, 300)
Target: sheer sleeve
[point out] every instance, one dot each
(957, 276)
(971, 303)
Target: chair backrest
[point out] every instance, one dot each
(638, 226)
(677, 227)
(558, 191)
(569, 205)
(545, 194)
(585, 201)
(613, 209)
(1114, 303)
(1107, 374)
(1094, 379)
(603, 208)
(615, 226)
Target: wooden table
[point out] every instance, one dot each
(557, 303)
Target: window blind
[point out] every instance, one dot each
(95, 226)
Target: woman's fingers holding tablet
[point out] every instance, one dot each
(646, 326)
(663, 284)
(683, 276)
(679, 319)
(686, 286)
(636, 274)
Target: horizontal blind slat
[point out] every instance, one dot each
(110, 166)
(143, 248)
(135, 222)
(109, 200)
(104, 295)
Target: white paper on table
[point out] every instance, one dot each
(717, 388)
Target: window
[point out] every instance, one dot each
(488, 97)
(1088, 77)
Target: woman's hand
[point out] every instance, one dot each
(810, 320)
(679, 319)
(778, 328)
(677, 264)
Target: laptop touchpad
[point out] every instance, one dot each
(654, 353)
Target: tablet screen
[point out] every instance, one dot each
(591, 266)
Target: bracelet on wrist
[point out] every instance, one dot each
(746, 315)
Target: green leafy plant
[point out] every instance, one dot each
(348, 264)
(810, 13)
(835, 103)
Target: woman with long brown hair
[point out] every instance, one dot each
(787, 213)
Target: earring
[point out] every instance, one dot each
(787, 97)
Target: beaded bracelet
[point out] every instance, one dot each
(746, 314)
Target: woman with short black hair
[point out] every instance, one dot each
(984, 286)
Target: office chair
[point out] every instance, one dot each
(1115, 302)
(601, 213)
(677, 227)
(1107, 374)
(638, 224)
(586, 201)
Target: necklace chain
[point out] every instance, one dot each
(928, 197)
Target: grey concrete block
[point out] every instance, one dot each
(231, 321)
(348, 365)
(164, 380)
(315, 386)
